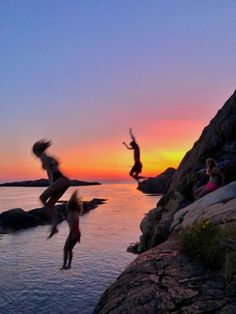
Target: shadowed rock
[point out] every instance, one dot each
(218, 141)
(164, 280)
(45, 182)
(158, 184)
(17, 218)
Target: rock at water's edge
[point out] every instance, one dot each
(164, 280)
(158, 184)
(45, 182)
(17, 218)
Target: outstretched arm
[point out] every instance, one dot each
(127, 145)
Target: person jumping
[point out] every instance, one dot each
(58, 183)
(137, 167)
(74, 209)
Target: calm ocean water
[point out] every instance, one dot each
(30, 280)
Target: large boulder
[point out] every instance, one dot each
(158, 184)
(17, 218)
(164, 280)
(218, 141)
(218, 206)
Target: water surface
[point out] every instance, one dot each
(30, 280)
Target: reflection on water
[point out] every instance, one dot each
(30, 280)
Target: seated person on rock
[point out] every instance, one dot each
(215, 181)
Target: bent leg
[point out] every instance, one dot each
(133, 173)
(49, 198)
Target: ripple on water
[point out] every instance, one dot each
(30, 280)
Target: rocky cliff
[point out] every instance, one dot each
(163, 280)
(218, 141)
(166, 278)
(158, 184)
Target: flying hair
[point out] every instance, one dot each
(75, 203)
(40, 146)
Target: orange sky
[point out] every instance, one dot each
(81, 74)
(162, 145)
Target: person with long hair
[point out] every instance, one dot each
(215, 179)
(58, 183)
(137, 167)
(74, 209)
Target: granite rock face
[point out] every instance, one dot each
(218, 141)
(164, 280)
(218, 206)
(158, 184)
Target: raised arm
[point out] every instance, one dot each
(132, 135)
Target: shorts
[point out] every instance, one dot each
(137, 167)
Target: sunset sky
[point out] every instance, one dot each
(82, 72)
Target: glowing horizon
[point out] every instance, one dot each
(82, 73)
(114, 162)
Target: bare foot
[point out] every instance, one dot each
(141, 177)
(53, 231)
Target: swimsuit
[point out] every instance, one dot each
(72, 240)
(137, 167)
(211, 186)
(56, 175)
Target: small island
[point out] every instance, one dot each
(16, 218)
(44, 182)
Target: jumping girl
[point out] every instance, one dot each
(58, 183)
(74, 209)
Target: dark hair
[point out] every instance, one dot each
(211, 162)
(40, 146)
(132, 143)
(75, 203)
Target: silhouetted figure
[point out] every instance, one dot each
(74, 209)
(137, 167)
(215, 181)
(58, 183)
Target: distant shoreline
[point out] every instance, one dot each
(45, 183)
